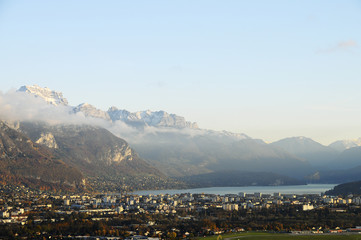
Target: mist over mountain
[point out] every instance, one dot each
(348, 159)
(343, 145)
(336, 175)
(52, 97)
(315, 153)
(170, 145)
(181, 154)
(179, 148)
(90, 111)
(97, 153)
(141, 118)
(150, 118)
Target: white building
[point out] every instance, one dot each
(307, 207)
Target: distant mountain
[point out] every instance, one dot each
(138, 119)
(234, 178)
(346, 189)
(335, 176)
(348, 159)
(150, 118)
(345, 168)
(97, 153)
(24, 162)
(345, 144)
(91, 111)
(203, 151)
(179, 148)
(52, 97)
(305, 148)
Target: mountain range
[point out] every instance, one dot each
(342, 145)
(305, 148)
(165, 146)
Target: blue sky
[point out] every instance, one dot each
(270, 69)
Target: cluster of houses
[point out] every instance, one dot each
(14, 208)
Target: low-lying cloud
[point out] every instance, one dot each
(20, 106)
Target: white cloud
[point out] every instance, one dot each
(346, 44)
(19, 106)
(340, 46)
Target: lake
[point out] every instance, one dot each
(293, 189)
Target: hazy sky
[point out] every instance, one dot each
(270, 69)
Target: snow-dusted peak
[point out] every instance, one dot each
(237, 136)
(301, 145)
(150, 118)
(91, 111)
(299, 139)
(113, 109)
(140, 118)
(52, 97)
(345, 144)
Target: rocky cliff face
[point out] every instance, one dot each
(93, 150)
(150, 118)
(139, 119)
(91, 111)
(52, 97)
(24, 162)
(101, 157)
(47, 139)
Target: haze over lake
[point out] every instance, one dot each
(294, 189)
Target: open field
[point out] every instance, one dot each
(274, 236)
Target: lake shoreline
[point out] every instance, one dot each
(285, 189)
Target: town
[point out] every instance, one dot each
(34, 213)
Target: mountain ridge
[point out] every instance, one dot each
(342, 145)
(50, 96)
(140, 118)
(193, 151)
(306, 148)
(180, 148)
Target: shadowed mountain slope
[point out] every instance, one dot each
(24, 162)
(179, 154)
(315, 153)
(97, 153)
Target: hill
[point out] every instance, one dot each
(346, 189)
(23, 162)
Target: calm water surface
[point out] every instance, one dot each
(294, 189)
